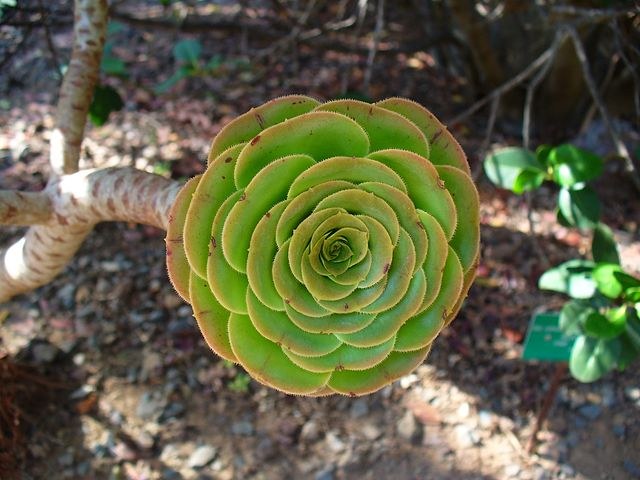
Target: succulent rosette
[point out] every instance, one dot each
(327, 244)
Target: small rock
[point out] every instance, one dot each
(512, 470)
(66, 459)
(334, 443)
(466, 436)
(151, 362)
(173, 410)
(123, 452)
(408, 380)
(608, 396)
(370, 431)
(633, 394)
(310, 431)
(486, 419)
(568, 470)
(359, 408)
(632, 468)
(83, 468)
(145, 440)
(202, 456)
(171, 301)
(464, 410)
(590, 411)
(82, 392)
(326, 473)
(170, 453)
(67, 295)
(243, 427)
(407, 427)
(170, 474)
(44, 352)
(150, 405)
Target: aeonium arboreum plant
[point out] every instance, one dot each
(327, 245)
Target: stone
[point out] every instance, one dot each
(150, 405)
(202, 456)
(370, 431)
(310, 431)
(325, 473)
(359, 408)
(407, 427)
(242, 427)
(466, 436)
(590, 411)
(44, 352)
(334, 443)
(512, 470)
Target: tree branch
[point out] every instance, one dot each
(74, 204)
(24, 208)
(76, 92)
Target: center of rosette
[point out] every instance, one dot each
(336, 250)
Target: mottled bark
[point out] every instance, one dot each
(23, 208)
(77, 202)
(76, 92)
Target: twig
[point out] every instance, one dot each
(375, 43)
(493, 113)
(588, 118)
(593, 14)
(621, 148)
(561, 369)
(362, 13)
(505, 87)
(542, 73)
(631, 67)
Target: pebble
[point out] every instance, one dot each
(310, 431)
(466, 436)
(590, 411)
(486, 419)
(150, 405)
(202, 456)
(334, 443)
(173, 410)
(243, 427)
(408, 380)
(407, 427)
(464, 410)
(370, 431)
(632, 468)
(633, 394)
(44, 352)
(512, 470)
(325, 473)
(359, 408)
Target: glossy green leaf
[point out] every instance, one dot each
(605, 327)
(612, 281)
(592, 358)
(604, 248)
(572, 165)
(528, 180)
(572, 277)
(573, 316)
(580, 208)
(504, 166)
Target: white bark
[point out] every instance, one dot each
(79, 201)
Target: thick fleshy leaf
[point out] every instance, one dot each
(386, 129)
(177, 264)
(214, 188)
(212, 318)
(579, 208)
(247, 126)
(572, 165)
(320, 135)
(396, 365)
(513, 168)
(268, 187)
(444, 149)
(604, 248)
(266, 361)
(424, 185)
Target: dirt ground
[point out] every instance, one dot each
(122, 386)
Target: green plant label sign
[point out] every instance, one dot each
(546, 341)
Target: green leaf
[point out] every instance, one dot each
(606, 326)
(572, 165)
(604, 248)
(214, 63)
(528, 180)
(580, 208)
(187, 51)
(572, 277)
(632, 294)
(632, 329)
(105, 100)
(113, 65)
(504, 166)
(592, 358)
(164, 87)
(628, 352)
(542, 154)
(612, 281)
(573, 316)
